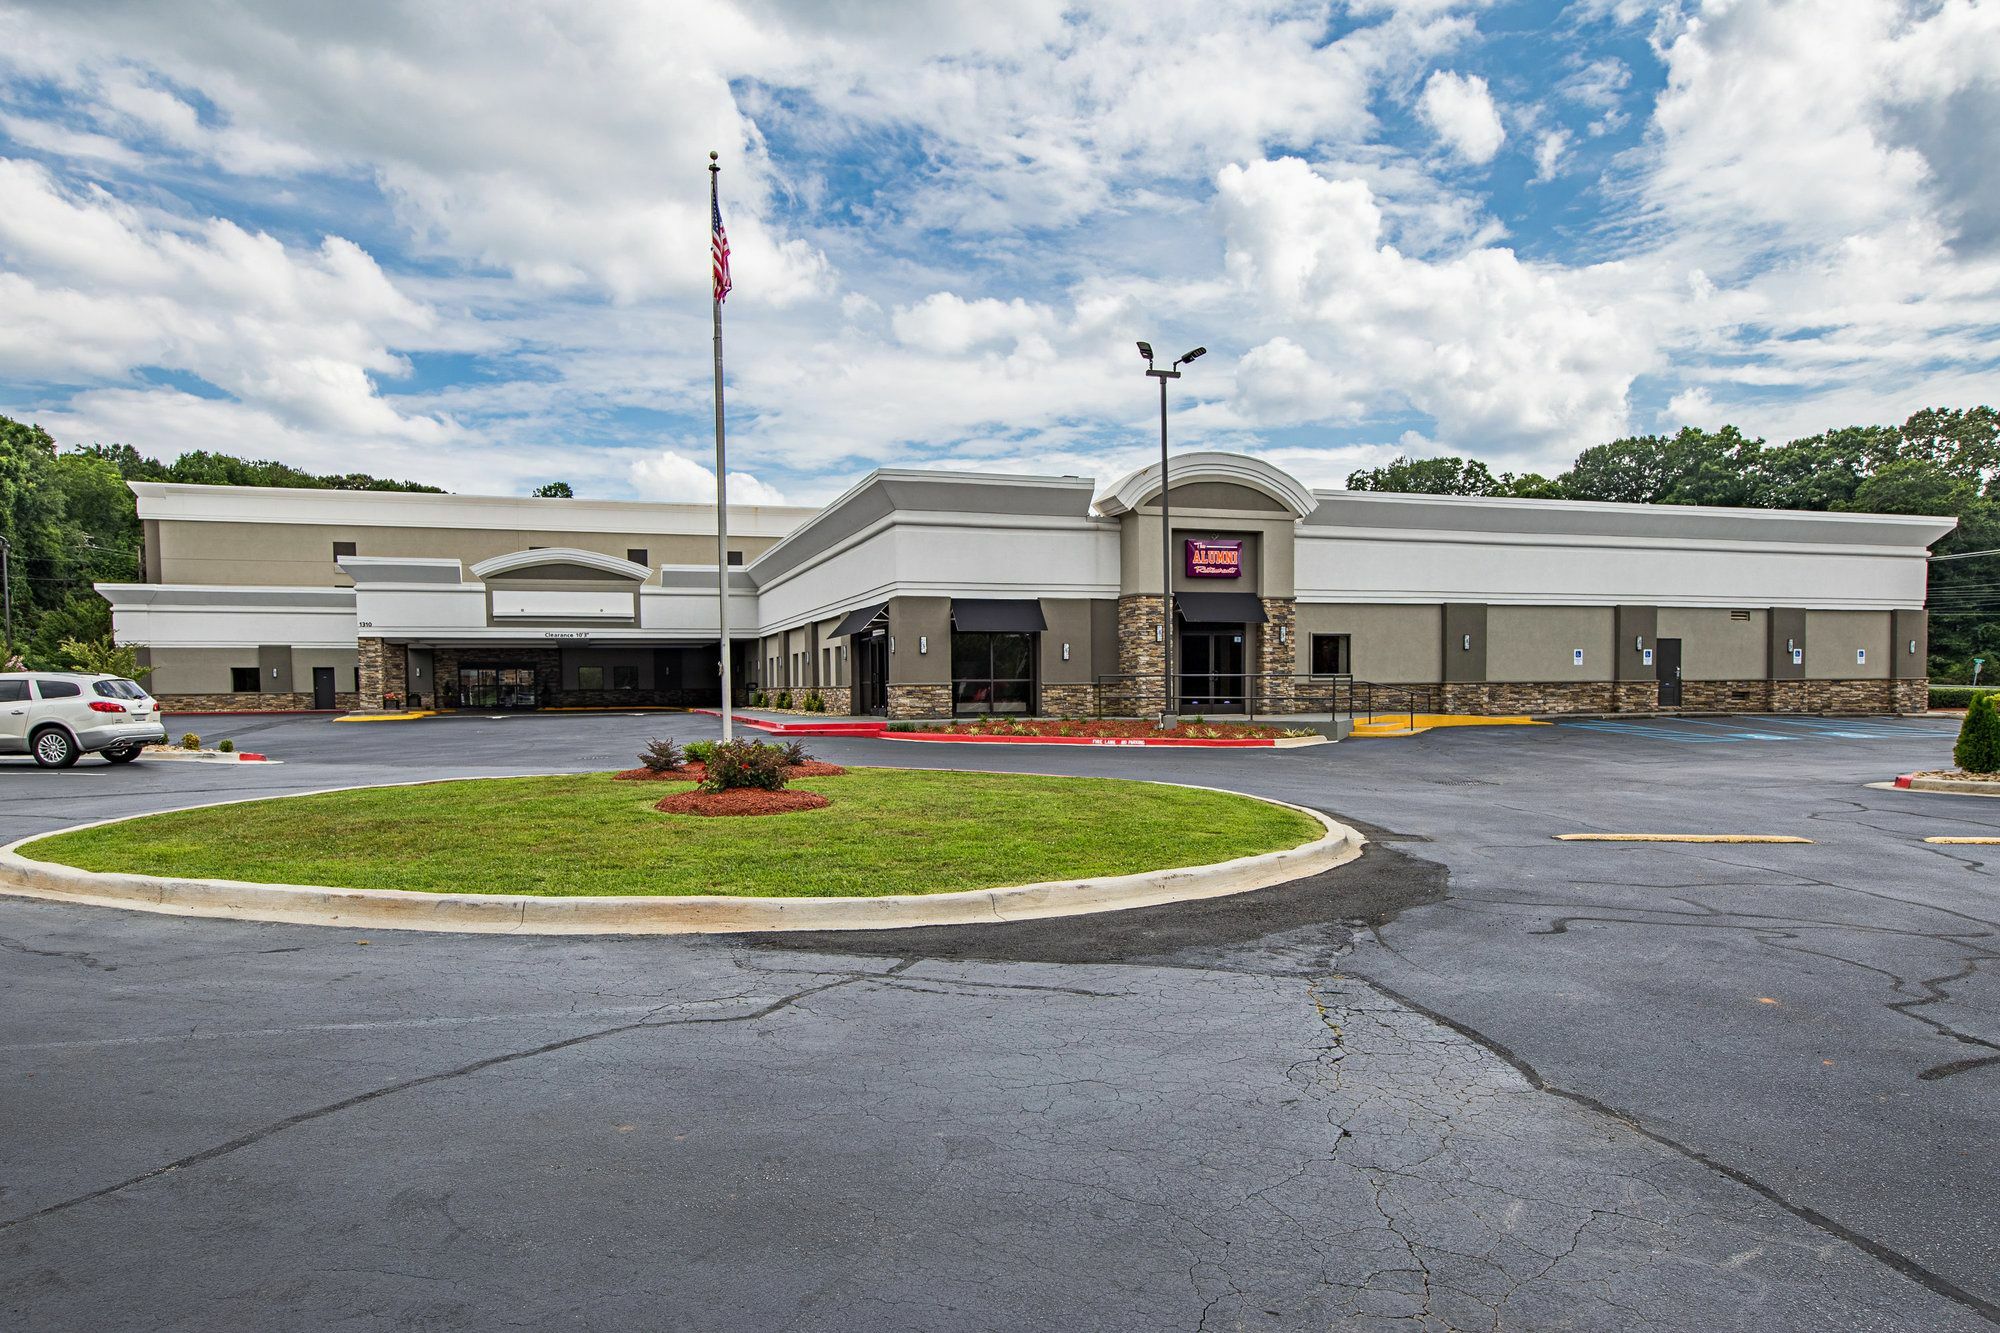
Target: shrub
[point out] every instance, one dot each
(795, 753)
(784, 698)
(815, 702)
(745, 764)
(1299, 732)
(1978, 748)
(697, 752)
(1955, 696)
(756, 698)
(227, 747)
(190, 741)
(660, 756)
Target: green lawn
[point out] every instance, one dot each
(887, 831)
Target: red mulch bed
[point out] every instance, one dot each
(741, 801)
(699, 773)
(1124, 728)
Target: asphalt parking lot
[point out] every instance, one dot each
(1479, 1079)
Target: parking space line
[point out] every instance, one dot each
(1966, 842)
(1679, 837)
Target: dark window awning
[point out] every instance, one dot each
(983, 615)
(1220, 608)
(858, 620)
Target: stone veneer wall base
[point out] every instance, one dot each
(907, 702)
(1559, 698)
(248, 702)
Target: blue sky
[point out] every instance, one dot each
(466, 243)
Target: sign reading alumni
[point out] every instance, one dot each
(1214, 560)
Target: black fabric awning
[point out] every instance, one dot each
(982, 615)
(858, 620)
(1220, 608)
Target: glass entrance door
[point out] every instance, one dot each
(1212, 660)
(498, 687)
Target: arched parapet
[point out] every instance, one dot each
(1138, 488)
(516, 562)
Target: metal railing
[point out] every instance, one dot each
(1265, 694)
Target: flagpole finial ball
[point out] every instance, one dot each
(713, 155)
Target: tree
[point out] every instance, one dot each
(1978, 748)
(102, 657)
(1428, 476)
(554, 490)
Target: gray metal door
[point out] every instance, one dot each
(1667, 661)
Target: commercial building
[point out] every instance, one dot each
(923, 594)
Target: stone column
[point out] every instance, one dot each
(1279, 652)
(380, 671)
(1140, 657)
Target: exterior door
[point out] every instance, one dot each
(323, 688)
(1667, 661)
(871, 673)
(1212, 668)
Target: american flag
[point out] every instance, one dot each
(718, 251)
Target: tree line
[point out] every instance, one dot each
(1943, 461)
(70, 521)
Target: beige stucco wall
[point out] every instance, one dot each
(1832, 638)
(1267, 542)
(1714, 646)
(342, 660)
(1536, 643)
(200, 670)
(1392, 644)
(1069, 621)
(912, 619)
(301, 554)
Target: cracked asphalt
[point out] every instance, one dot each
(1476, 1080)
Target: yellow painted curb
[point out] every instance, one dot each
(1678, 837)
(626, 914)
(1966, 842)
(386, 717)
(1400, 724)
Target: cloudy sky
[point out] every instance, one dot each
(466, 243)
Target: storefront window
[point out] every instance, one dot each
(993, 673)
(1330, 655)
(590, 678)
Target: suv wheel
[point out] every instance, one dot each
(54, 748)
(123, 754)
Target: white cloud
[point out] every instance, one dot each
(1459, 109)
(1507, 356)
(1549, 150)
(678, 479)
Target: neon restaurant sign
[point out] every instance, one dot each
(1214, 560)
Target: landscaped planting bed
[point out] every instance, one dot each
(885, 831)
(1119, 728)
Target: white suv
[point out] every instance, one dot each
(58, 716)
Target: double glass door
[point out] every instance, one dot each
(1212, 679)
(871, 672)
(498, 687)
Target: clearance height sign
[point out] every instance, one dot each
(1214, 560)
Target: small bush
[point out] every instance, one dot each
(190, 741)
(784, 699)
(227, 747)
(1956, 696)
(745, 764)
(794, 753)
(697, 752)
(660, 756)
(1978, 748)
(815, 702)
(1299, 732)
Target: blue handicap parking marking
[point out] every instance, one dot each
(1651, 733)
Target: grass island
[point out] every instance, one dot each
(887, 831)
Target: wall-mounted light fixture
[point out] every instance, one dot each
(1284, 634)
(1791, 645)
(923, 644)
(1639, 642)
(1065, 652)
(1465, 644)
(1159, 634)
(1913, 645)
(892, 643)
(274, 673)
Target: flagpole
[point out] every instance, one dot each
(721, 484)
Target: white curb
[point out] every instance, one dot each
(533, 914)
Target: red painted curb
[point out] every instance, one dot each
(1188, 742)
(1903, 779)
(250, 757)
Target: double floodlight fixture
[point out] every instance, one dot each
(1146, 350)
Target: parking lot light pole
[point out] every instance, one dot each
(1173, 372)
